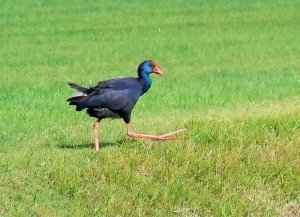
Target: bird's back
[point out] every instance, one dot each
(112, 97)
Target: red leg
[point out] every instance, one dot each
(96, 134)
(152, 137)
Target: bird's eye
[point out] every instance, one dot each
(151, 65)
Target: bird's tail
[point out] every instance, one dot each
(78, 98)
(79, 88)
(78, 101)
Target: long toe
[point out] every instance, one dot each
(164, 139)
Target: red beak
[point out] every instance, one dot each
(157, 70)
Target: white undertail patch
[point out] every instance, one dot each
(79, 93)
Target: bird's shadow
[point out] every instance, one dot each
(90, 145)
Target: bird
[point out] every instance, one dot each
(116, 98)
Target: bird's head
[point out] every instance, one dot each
(148, 67)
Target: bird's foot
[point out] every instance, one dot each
(166, 136)
(159, 138)
(154, 137)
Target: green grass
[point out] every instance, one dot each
(232, 78)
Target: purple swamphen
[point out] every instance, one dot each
(116, 98)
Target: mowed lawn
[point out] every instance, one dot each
(232, 78)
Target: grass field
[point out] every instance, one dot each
(232, 77)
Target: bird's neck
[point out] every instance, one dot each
(146, 81)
